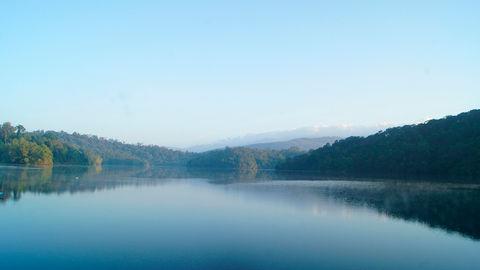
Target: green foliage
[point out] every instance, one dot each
(113, 152)
(16, 148)
(7, 132)
(64, 153)
(47, 147)
(448, 147)
(19, 147)
(21, 151)
(241, 158)
(39, 148)
(228, 158)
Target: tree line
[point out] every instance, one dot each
(49, 147)
(39, 148)
(242, 158)
(448, 147)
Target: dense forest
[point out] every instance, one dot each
(114, 152)
(49, 147)
(37, 148)
(242, 158)
(448, 147)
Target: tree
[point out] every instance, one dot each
(6, 132)
(21, 151)
(20, 130)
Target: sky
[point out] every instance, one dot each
(180, 73)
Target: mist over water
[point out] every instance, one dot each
(172, 218)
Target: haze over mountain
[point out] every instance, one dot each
(446, 147)
(48, 148)
(302, 144)
(286, 135)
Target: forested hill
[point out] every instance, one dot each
(448, 147)
(303, 144)
(48, 147)
(242, 158)
(114, 152)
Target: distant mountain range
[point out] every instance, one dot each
(341, 131)
(302, 144)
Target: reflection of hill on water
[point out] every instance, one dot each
(16, 180)
(451, 207)
(455, 208)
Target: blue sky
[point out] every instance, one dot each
(185, 72)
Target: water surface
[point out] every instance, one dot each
(161, 218)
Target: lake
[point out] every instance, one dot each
(170, 218)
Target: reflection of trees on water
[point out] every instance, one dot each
(451, 207)
(454, 208)
(16, 180)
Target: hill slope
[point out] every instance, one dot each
(302, 144)
(341, 131)
(241, 158)
(114, 152)
(50, 147)
(47, 148)
(448, 147)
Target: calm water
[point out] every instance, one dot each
(127, 218)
